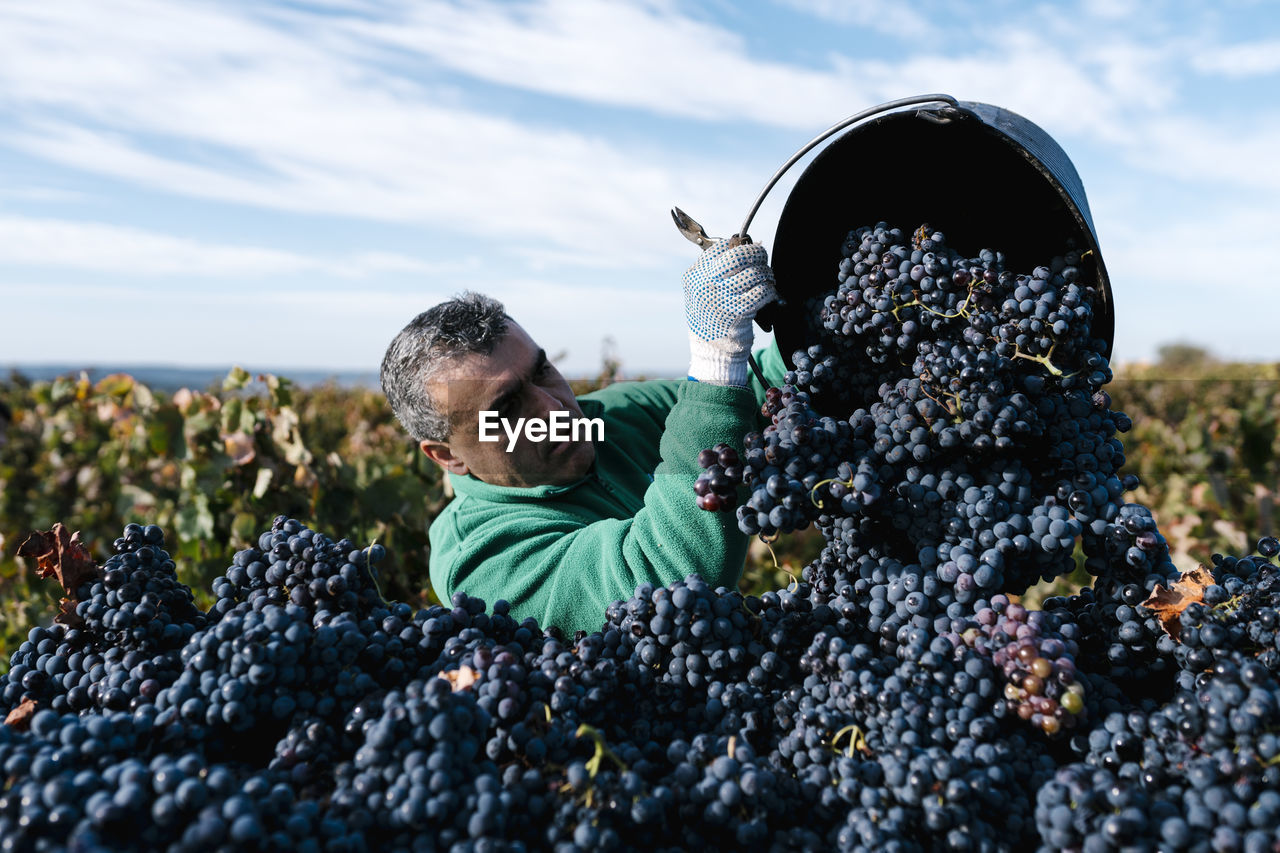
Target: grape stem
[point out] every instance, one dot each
(601, 751)
(1230, 605)
(593, 763)
(857, 740)
(768, 544)
(813, 498)
(961, 309)
(373, 576)
(951, 406)
(1046, 360)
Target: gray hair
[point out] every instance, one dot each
(470, 323)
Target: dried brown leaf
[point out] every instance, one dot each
(67, 614)
(1168, 604)
(19, 718)
(461, 678)
(43, 547)
(60, 553)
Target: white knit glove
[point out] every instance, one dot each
(722, 293)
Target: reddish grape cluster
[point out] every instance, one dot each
(1036, 659)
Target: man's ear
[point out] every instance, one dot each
(439, 453)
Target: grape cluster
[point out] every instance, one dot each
(121, 645)
(695, 717)
(975, 441)
(717, 485)
(1237, 621)
(793, 466)
(1200, 772)
(814, 372)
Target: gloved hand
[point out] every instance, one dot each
(722, 293)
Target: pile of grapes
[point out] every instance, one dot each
(897, 697)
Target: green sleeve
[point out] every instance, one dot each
(549, 560)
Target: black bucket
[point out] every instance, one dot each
(984, 176)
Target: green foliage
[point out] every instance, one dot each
(1206, 446)
(213, 468)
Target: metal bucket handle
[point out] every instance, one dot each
(835, 128)
(766, 316)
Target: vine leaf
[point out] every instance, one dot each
(1168, 604)
(236, 379)
(60, 553)
(239, 446)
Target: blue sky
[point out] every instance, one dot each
(286, 184)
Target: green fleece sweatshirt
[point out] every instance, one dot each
(562, 554)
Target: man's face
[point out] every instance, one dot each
(517, 381)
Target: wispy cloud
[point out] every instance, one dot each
(1054, 66)
(654, 56)
(1195, 254)
(215, 104)
(651, 340)
(642, 55)
(548, 138)
(1198, 151)
(41, 194)
(1112, 10)
(897, 19)
(332, 113)
(1247, 59)
(62, 244)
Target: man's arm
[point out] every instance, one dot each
(567, 564)
(548, 559)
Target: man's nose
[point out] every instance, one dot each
(543, 401)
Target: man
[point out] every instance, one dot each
(560, 529)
